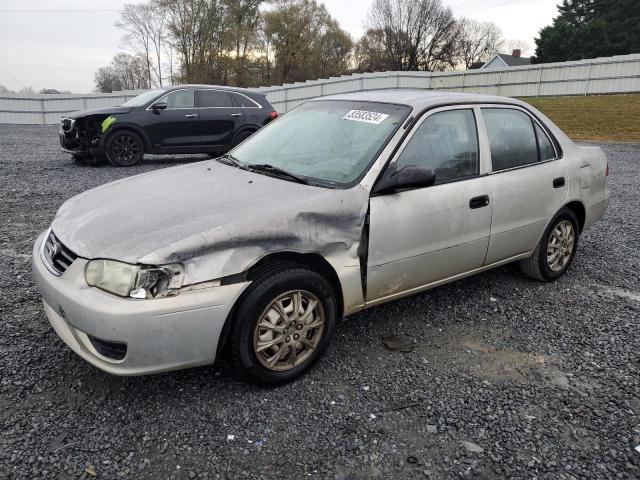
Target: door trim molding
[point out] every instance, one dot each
(428, 286)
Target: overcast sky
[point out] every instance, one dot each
(45, 44)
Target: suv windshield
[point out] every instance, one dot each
(143, 98)
(327, 142)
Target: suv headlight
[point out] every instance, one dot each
(134, 281)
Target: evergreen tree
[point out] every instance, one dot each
(590, 29)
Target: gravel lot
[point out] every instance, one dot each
(507, 377)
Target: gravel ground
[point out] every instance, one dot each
(507, 378)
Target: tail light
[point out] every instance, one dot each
(273, 115)
(606, 173)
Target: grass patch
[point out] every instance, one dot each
(614, 118)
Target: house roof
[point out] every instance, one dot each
(512, 61)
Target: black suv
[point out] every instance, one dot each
(182, 119)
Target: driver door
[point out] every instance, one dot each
(420, 237)
(177, 125)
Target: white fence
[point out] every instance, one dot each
(620, 74)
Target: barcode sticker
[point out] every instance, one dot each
(366, 117)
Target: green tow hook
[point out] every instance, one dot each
(107, 122)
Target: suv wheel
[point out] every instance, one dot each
(242, 136)
(124, 148)
(283, 325)
(556, 249)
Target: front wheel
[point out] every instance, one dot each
(124, 148)
(283, 325)
(555, 251)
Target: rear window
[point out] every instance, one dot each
(511, 138)
(214, 98)
(243, 102)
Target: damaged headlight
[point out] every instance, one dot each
(134, 280)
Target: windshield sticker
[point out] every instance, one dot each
(364, 116)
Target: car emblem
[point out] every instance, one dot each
(61, 311)
(53, 250)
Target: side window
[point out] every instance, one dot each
(447, 143)
(214, 98)
(180, 99)
(511, 138)
(547, 152)
(242, 101)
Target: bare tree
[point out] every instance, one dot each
(517, 44)
(418, 34)
(125, 72)
(477, 41)
(145, 24)
(198, 29)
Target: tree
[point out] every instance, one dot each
(199, 33)
(418, 34)
(477, 41)
(126, 72)
(244, 19)
(145, 24)
(370, 53)
(306, 41)
(4, 89)
(590, 29)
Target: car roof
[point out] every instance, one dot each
(420, 99)
(216, 87)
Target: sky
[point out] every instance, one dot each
(45, 44)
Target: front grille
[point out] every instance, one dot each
(113, 350)
(55, 255)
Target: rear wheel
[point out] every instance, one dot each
(283, 325)
(242, 136)
(124, 148)
(556, 249)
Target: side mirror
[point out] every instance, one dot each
(159, 106)
(407, 177)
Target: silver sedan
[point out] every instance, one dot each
(344, 203)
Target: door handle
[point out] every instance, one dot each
(558, 182)
(191, 115)
(479, 202)
(236, 114)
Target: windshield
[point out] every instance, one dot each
(143, 98)
(330, 142)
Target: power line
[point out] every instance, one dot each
(12, 76)
(59, 11)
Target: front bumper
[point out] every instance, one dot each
(70, 145)
(160, 334)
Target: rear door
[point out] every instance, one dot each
(420, 237)
(175, 126)
(219, 118)
(528, 180)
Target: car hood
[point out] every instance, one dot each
(215, 219)
(99, 111)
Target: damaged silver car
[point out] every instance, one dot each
(344, 203)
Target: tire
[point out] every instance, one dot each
(124, 148)
(242, 136)
(559, 239)
(281, 283)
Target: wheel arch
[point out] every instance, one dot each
(312, 261)
(245, 128)
(577, 207)
(118, 127)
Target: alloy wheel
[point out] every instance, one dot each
(560, 246)
(289, 330)
(125, 149)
